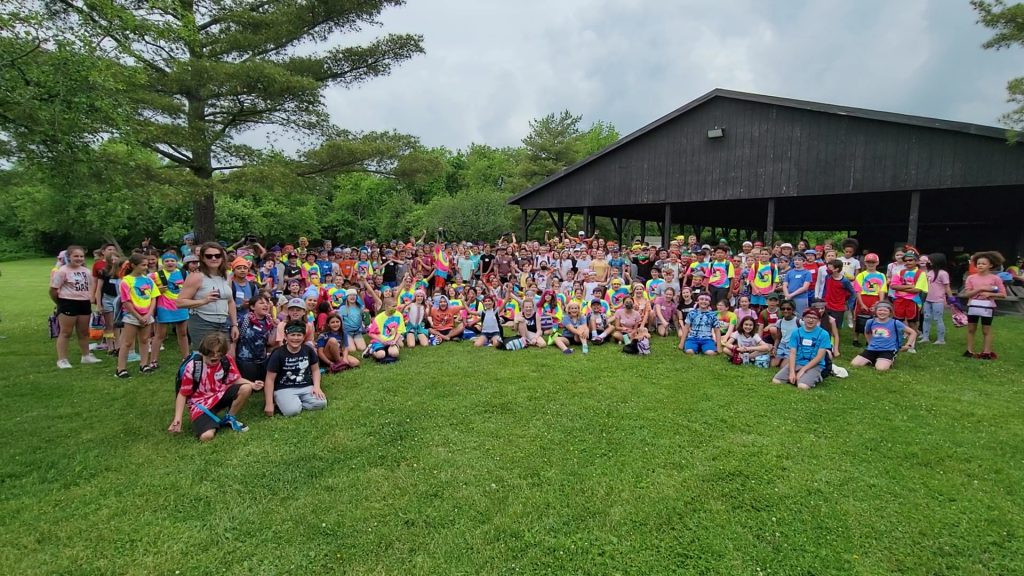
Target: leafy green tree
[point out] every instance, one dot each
(556, 142)
(199, 74)
(1008, 23)
(470, 214)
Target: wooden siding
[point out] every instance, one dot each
(779, 151)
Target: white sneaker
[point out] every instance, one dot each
(912, 351)
(90, 359)
(63, 364)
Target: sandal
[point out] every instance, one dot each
(122, 374)
(147, 369)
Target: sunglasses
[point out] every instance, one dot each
(786, 308)
(212, 256)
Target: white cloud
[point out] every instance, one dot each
(493, 65)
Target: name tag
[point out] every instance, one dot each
(807, 342)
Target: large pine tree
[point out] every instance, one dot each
(192, 76)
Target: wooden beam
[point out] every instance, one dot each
(561, 221)
(643, 230)
(915, 208)
(554, 221)
(586, 221)
(523, 225)
(666, 231)
(769, 227)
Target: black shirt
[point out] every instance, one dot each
(389, 271)
(294, 370)
(485, 263)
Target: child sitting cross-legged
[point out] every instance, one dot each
(210, 382)
(745, 346)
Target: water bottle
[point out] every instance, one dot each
(626, 339)
(585, 347)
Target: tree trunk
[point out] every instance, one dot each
(203, 218)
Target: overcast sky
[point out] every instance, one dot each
(493, 65)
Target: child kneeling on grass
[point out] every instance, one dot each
(883, 336)
(293, 375)
(209, 387)
(808, 346)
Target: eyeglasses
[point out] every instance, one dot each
(212, 256)
(786, 308)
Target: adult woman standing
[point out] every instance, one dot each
(208, 294)
(71, 290)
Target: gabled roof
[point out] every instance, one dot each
(921, 121)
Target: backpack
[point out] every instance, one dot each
(197, 369)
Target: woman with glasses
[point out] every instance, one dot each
(208, 294)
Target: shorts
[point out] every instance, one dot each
(758, 300)
(110, 303)
(167, 316)
(872, 355)
(570, 336)
(811, 377)
(129, 319)
(861, 325)
(782, 352)
(983, 320)
(416, 329)
(252, 371)
(445, 332)
(699, 345)
(905, 309)
(836, 315)
(204, 423)
(491, 335)
(377, 347)
(67, 307)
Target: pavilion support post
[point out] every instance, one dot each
(915, 208)
(586, 222)
(561, 222)
(666, 230)
(643, 230)
(769, 225)
(523, 223)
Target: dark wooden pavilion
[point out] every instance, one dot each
(763, 164)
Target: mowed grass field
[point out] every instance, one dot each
(465, 461)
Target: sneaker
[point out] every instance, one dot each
(134, 357)
(90, 359)
(64, 364)
(986, 356)
(912, 351)
(968, 354)
(567, 351)
(233, 422)
(939, 343)
(856, 344)
(922, 341)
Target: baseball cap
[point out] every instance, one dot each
(296, 303)
(810, 251)
(239, 262)
(811, 312)
(785, 245)
(871, 257)
(351, 292)
(191, 258)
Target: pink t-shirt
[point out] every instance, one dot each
(989, 283)
(72, 283)
(627, 320)
(937, 283)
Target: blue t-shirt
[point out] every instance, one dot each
(885, 336)
(351, 318)
(701, 324)
(807, 344)
(795, 279)
(321, 342)
(326, 268)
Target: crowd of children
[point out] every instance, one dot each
(273, 319)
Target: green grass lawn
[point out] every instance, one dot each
(465, 461)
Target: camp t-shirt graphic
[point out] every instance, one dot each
(293, 369)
